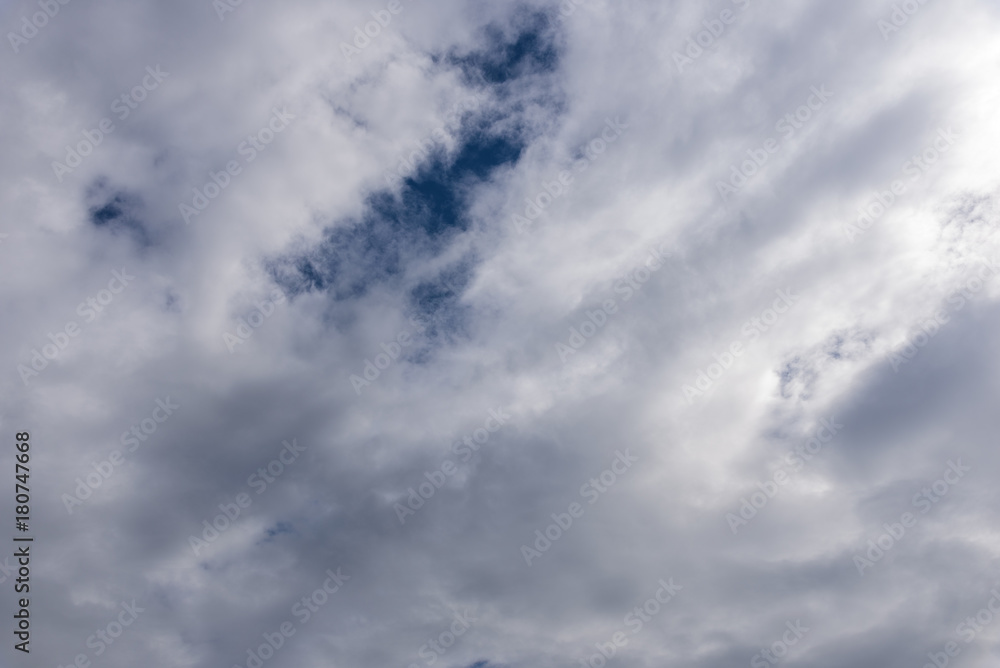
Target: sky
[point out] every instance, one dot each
(479, 334)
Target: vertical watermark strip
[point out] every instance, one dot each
(22, 544)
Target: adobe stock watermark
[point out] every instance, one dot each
(759, 156)
(249, 149)
(796, 461)
(303, 611)
(131, 440)
(628, 285)
(925, 500)
(390, 353)
(435, 648)
(967, 630)
(929, 327)
(899, 17)
(30, 26)
(122, 106)
(372, 29)
(89, 310)
(246, 327)
(105, 637)
(231, 510)
(779, 649)
(918, 165)
(704, 39)
(751, 331)
(435, 480)
(636, 620)
(551, 190)
(592, 491)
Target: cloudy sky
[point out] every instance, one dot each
(467, 333)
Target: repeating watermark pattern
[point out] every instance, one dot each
(524, 66)
(550, 190)
(628, 285)
(757, 157)
(246, 327)
(751, 331)
(231, 510)
(899, 17)
(435, 480)
(915, 168)
(30, 26)
(390, 353)
(303, 611)
(122, 106)
(635, 620)
(704, 39)
(925, 500)
(131, 440)
(363, 37)
(796, 460)
(592, 491)
(89, 310)
(779, 649)
(249, 149)
(435, 648)
(928, 328)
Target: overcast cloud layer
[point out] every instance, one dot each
(529, 331)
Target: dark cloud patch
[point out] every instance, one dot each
(427, 210)
(117, 212)
(526, 47)
(397, 228)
